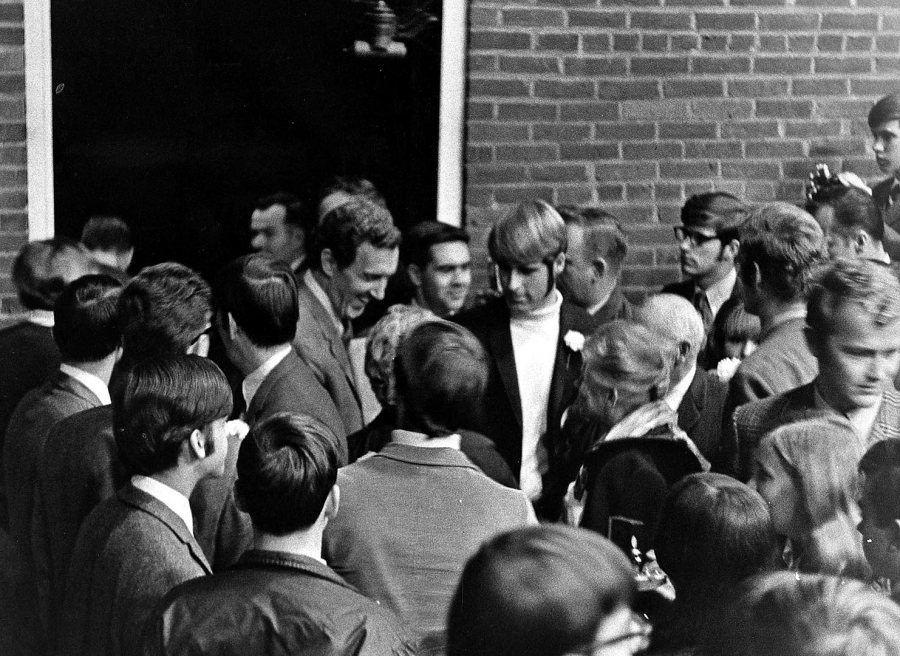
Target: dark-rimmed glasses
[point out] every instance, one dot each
(696, 237)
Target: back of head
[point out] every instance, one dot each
(294, 209)
(42, 269)
(107, 233)
(714, 532)
(717, 210)
(886, 109)
(787, 244)
(539, 591)
(674, 318)
(343, 188)
(417, 241)
(157, 403)
(441, 372)
(790, 614)
(531, 232)
(870, 287)
(163, 310)
(260, 293)
(286, 467)
(625, 356)
(353, 223)
(604, 235)
(86, 319)
(881, 467)
(851, 209)
(381, 347)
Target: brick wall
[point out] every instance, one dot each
(637, 104)
(13, 218)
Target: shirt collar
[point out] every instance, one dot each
(861, 419)
(676, 395)
(170, 497)
(95, 384)
(251, 384)
(595, 308)
(310, 280)
(720, 291)
(552, 309)
(411, 438)
(41, 318)
(782, 318)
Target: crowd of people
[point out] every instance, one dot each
(542, 468)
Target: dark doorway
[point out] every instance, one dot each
(177, 114)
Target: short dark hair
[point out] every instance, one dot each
(886, 109)
(787, 244)
(163, 310)
(107, 233)
(261, 294)
(605, 235)
(440, 372)
(157, 403)
(417, 241)
(42, 269)
(294, 209)
(352, 185)
(718, 210)
(853, 209)
(286, 467)
(345, 228)
(881, 467)
(538, 591)
(86, 319)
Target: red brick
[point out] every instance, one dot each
(560, 132)
(12, 178)
(658, 234)
(784, 108)
(666, 191)
(518, 193)
(625, 42)
(563, 42)
(824, 3)
(654, 109)
(859, 43)
(667, 21)
(843, 65)
(12, 155)
(13, 223)
(659, 66)
(687, 131)
(694, 89)
(758, 3)
(777, 148)
(575, 195)
(482, 63)
(537, 65)
(750, 170)
(886, 43)
(13, 199)
(11, 13)
(819, 87)
(838, 147)
(682, 170)
(560, 89)
(773, 43)
(558, 173)
(842, 108)
(592, 111)
(602, 19)
(588, 152)
(477, 110)
(890, 22)
(479, 154)
(760, 191)
(887, 64)
(789, 22)
(726, 22)
(714, 42)
(864, 87)
(526, 112)
(801, 43)
(627, 90)
(493, 132)
(782, 65)
(849, 22)
(654, 42)
(830, 42)
(757, 88)
(656, 150)
(683, 42)
(484, 17)
(479, 196)
(624, 171)
(729, 109)
(639, 192)
(720, 65)
(12, 132)
(749, 129)
(483, 40)
(653, 277)
(594, 66)
(712, 149)
(489, 173)
(498, 88)
(621, 130)
(610, 192)
(597, 43)
(533, 17)
(12, 36)
(527, 153)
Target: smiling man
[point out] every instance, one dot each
(853, 330)
(356, 251)
(439, 266)
(276, 228)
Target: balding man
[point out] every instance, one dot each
(697, 395)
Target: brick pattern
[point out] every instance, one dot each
(13, 214)
(637, 104)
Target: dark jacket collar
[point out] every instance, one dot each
(260, 558)
(430, 457)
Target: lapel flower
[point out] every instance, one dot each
(574, 340)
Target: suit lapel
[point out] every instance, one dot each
(566, 367)
(501, 345)
(329, 333)
(69, 385)
(693, 402)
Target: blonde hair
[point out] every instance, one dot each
(531, 232)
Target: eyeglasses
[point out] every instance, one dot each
(638, 634)
(696, 237)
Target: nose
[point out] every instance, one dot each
(257, 242)
(378, 289)
(878, 145)
(748, 348)
(515, 280)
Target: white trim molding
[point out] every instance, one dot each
(39, 118)
(452, 113)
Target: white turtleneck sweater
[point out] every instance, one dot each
(534, 339)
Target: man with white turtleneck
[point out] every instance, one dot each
(534, 341)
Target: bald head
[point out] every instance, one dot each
(675, 319)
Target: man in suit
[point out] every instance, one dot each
(277, 228)
(596, 251)
(356, 251)
(852, 224)
(170, 416)
(286, 482)
(884, 122)
(533, 338)
(853, 329)
(439, 266)
(412, 514)
(781, 246)
(256, 316)
(708, 246)
(165, 310)
(697, 396)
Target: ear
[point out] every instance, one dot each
(600, 268)
(861, 242)
(333, 503)
(118, 353)
(232, 326)
(329, 264)
(197, 444)
(731, 249)
(559, 263)
(297, 233)
(415, 274)
(684, 350)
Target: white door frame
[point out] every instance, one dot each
(39, 116)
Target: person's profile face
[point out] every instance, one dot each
(857, 359)
(578, 277)
(700, 253)
(351, 288)
(878, 541)
(774, 484)
(447, 277)
(886, 146)
(269, 233)
(738, 348)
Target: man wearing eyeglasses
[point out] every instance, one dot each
(707, 247)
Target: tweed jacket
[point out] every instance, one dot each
(753, 420)
(616, 307)
(131, 551)
(700, 414)
(274, 603)
(501, 406)
(321, 347)
(58, 397)
(410, 518)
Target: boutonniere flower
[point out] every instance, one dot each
(574, 340)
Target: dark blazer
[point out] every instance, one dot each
(274, 603)
(782, 362)
(58, 397)
(700, 414)
(292, 387)
(29, 356)
(753, 420)
(890, 214)
(321, 347)
(131, 552)
(501, 407)
(616, 307)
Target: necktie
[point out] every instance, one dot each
(703, 307)
(894, 195)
